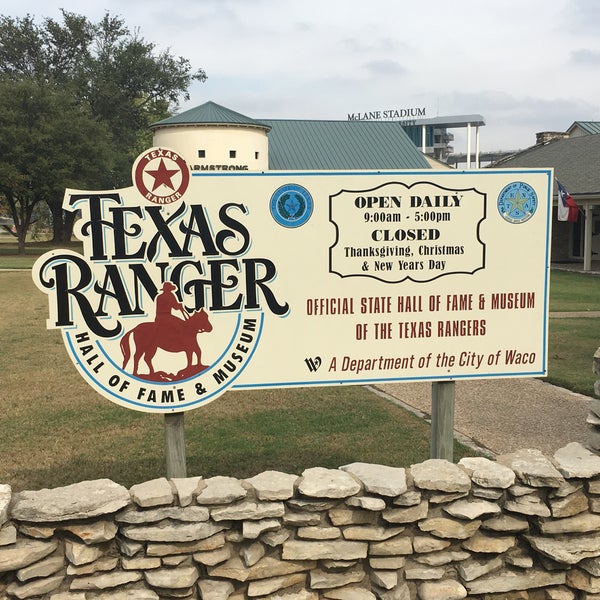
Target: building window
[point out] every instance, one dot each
(232, 154)
(256, 154)
(201, 153)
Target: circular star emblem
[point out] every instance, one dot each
(517, 202)
(161, 175)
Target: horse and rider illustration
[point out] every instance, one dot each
(170, 333)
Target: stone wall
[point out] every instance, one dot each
(525, 526)
(593, 418)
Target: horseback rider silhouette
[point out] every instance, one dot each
(166, 302)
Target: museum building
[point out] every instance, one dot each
(214, 138)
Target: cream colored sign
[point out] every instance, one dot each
(192, 284)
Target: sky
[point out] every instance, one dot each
(525, 66)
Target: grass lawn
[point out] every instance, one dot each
(55, 430)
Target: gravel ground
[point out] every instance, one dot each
(505, 415)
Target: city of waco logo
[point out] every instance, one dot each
(147, 323)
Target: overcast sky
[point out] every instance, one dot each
(524, 65)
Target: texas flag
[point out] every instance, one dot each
(567, 207)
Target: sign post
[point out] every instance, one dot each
(192, 284)
(442, 420)
(175, 446)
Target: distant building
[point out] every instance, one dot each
(575, 157)
(214, 138)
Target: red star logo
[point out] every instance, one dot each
(162, 175)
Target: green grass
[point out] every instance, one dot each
(572, 344)
(574, 292)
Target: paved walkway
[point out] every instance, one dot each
(504, 415)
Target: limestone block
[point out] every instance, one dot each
(274, 584)
(5, 498)
(581, 523)
(81, 554)
(213, 557)
(399, 545)
(371, 533)
(410, 514)
(253, 529)
(450, 529)
(135, 592)
(367, 502)
(532, 468)
(304, 519)
(506, 523)
(427, 543)
(77, 501)
(410, 498)
(215, 590)
(175, 579)
(205, 545)
(268, 566)
(8, 535)
(252, 554)
(36, 587)
(349, 593)
(316, 550)
(93, 533)
(174, 532)
(221, 490)
(319, 533)
(563, 549)
(248, 510)
(320, 579)
(24, 553)
(143, 563)
(509, 581)
(487, 473)
(440, 475)
(156, 492)
(531, 505)
(577, 462)
(449, 589)
(319, 482)
(106, 581)
(569, 506)
(346, 516)
(487, 544)
(273, 485)
(416, 571)
(189, 514)
(387, 580)
(443, 557)
(105, 563)
(379, 479)
(44, 568)
(185, 488)
(393, 563)
(466, 509)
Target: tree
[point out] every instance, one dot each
(112, 74)
(48, 142)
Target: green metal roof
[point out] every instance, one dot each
(209, 113)
(318, 145)
(590, 127)
(335, 145)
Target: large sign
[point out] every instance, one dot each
(192, 284)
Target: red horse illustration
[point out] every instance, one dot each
(169, 333)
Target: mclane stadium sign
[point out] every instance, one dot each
(190, 284)
(391, 114)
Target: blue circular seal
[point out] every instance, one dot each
(517, 202)
(291, 205)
